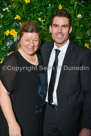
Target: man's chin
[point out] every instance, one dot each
(60, 44)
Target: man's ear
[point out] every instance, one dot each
(50, 29)
(70, 30)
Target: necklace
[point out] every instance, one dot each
(36, 59)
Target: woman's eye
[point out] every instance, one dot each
(26, 40)
(36, 40)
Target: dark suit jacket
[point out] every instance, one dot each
(74, 87)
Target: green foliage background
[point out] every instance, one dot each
(43, 9)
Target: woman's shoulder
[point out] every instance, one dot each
(10, 59)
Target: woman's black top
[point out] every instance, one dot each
(26, 85)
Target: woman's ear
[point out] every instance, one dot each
(18, 38)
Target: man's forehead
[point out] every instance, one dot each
(60, 20)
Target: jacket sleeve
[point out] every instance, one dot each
(86, 88)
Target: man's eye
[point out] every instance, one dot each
(65, 26)
(56, 26)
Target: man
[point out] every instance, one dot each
(68, 110)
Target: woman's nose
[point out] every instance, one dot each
(31, 43)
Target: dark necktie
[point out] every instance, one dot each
(53, 77)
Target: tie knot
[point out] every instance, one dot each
(57, 52)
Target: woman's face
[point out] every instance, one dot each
(29, 43)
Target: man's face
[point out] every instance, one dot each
(60, 30)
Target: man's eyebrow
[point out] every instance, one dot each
(55, 24)
(59, 24)
(65, 25)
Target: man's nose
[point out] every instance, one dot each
(59, 29)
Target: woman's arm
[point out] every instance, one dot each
(14, 128)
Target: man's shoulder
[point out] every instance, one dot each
(80, 48)
(46, 49)
(48, 44)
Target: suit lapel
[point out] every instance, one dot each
(66, 61)
(48, 53)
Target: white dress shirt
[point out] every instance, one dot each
(50, 64)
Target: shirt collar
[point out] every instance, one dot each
(63, 48)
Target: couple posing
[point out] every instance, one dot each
(23, 94)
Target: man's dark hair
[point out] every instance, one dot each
(62, 13)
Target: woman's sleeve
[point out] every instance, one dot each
(8, 73)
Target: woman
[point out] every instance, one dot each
(23, 86)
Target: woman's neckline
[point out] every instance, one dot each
(35, 63)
